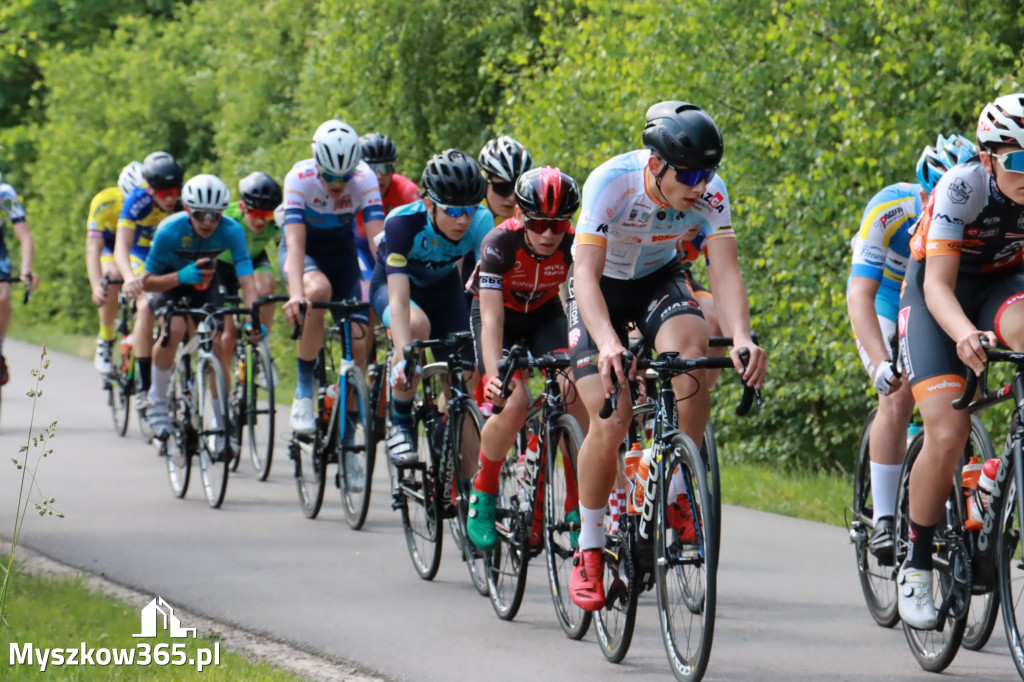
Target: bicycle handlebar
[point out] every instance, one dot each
(17, 280)
(455, 342)
(973, 380)
(346, 308)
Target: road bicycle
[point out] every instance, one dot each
(251, 402)
(538, 511)
(27, 296)
(197, 405)
(646, 552)
(446, 424)
(343, 433)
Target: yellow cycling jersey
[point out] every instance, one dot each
(141, 213)
(103, 212)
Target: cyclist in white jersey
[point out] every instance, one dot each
(635, 208)
(12, 212)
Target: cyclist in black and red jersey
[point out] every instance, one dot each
(523, 263)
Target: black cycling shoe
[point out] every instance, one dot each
(882, 545)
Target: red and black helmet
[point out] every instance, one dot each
(547, 193)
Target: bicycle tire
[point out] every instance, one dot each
(355, 456)
(984, 610)
(686, 573)
(507, 562)
(468, 422)
(177, 447)
(214, 443)
(877, 582)
(1010, 574)
(237, 401)
(118, 398)
(564, 438)
(709, 454)
(260, 409)
(934, 650)
(309, 450)
(616, 622)
(419, 499)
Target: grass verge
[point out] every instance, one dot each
(812, 496)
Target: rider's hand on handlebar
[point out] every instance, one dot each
(99, 294)
(399, 381)
(30, 281)
(609, 362)
(757, 365)
(971, 352)
(292, 312)
(133, 288)
(492, 390)
(885, 380)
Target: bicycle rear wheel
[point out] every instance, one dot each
(984, 610)
(685, 568)
(356, 459)
(1010, 561)
(178, 447)
(561, 534)
(616, 621)
(877, 581)
(507, 562)
(214, 445)
(118, 397)
(934, 649)
(259, 408)
(709, 453)
(419, 500)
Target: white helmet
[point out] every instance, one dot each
(505, 158)
(336, 147)
(1002, 122)
(130, 178)
(206, 193)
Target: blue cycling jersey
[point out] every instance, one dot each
(175, 234)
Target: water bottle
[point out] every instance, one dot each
(528, 474)
(631, 465)
(329, 398)
(643, 472)
(969, 477)
(912, 430)
(241, 369)
(126, 353)
(987, 484)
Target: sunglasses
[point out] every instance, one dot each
(459, 211)
(258, 214)
(502, 189)
(207, 216)
(331, 178)
(542, 225)
(1012, 162)
(383, 168)
(174, 192)
(691, 178)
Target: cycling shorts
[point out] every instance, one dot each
(930, 362)
(696, 288)
(5, 259)
(229, 280)
(646, 302)
(444, 304)
(193, 298)
(341, 271)
(541, 331)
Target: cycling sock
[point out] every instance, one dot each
(919, 547)
(591, 528)
(403, 412)
(676, 486)
(146, 373)
(486, 480)
(304, 380)
(161, 380)
(107, 332)
(885, 478)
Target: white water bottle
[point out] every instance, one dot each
(987, 482)
(528, 473)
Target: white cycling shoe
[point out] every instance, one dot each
(302, 416)
(914, 598)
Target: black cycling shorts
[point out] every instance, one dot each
(341, 268)
(229, 280)
(189, 296)
(541, 331)
(645, 302)
(930, 362)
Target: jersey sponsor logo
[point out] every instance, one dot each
(491, 251)
(945, 385)
(873, 255)
(554, 270)
(1020, 222)
(715, 200)
(653, 262)
(319, 201)
(343, 203)
(991, 232)
(583, 362)
(307, 173)
(663, 237)
(186, 241)
(490, 282)
(991, 220)
(901, 321)
(949, 219)
(678, 306)
(609, 212)
(958, 191)
(628, 192)
(397, 260)
(574, 337)
(889, 215)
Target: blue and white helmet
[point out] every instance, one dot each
(130, 178)
(936, 160)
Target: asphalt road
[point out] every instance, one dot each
(789, 606)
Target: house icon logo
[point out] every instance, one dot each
(158, 611)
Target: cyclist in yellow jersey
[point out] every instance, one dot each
(503, 160)
(99, 257)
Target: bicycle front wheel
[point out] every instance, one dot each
(356, 458)
(709, 453)
(562, 522)
(465, 452)
(259, 408)
(418, 497)
(1011, 566)
(178, 447)
(984, 610)
(214, 446)
(685, 563)
(507, 562)
(118, 398)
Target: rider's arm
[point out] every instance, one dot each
(93, 253)
(860, 304)
(122, 253)
(398, 302)
(151, 282)
(28, 249)
(373, 228)
(492, 327)
(726, 282)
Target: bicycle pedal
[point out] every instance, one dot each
(398, 502)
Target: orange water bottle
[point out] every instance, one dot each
(631, 465)
(969, 480)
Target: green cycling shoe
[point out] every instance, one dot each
(573, 516)
(480, 520)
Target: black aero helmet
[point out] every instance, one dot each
(161, 171)
(683, 135)
(378, 148)
(259, 191)
(547, 193)
(454, 179)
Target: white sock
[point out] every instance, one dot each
(885, 479)
(591, 528)
(218, 415)
(676, 486)
(161, 382)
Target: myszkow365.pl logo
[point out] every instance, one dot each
(157, 617)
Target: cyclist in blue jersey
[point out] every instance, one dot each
(626, 270)
(317, 257)
(11, 211)
(172, 273)
(143, 209)
(416, 288)
(881, 250)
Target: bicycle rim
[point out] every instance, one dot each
(466, 448)
(176, 447)
(616, 621)
(355, 460)
(119, 398)
(1011, 574)
(507, 562)
(560, 537)
(709, 453)
(310, 471)
(685, 570)
(214, 448)
(984, 610)
(933, 649)
(877, 582)
(260, 407)
(421, 511)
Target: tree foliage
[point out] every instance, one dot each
(821, 104)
